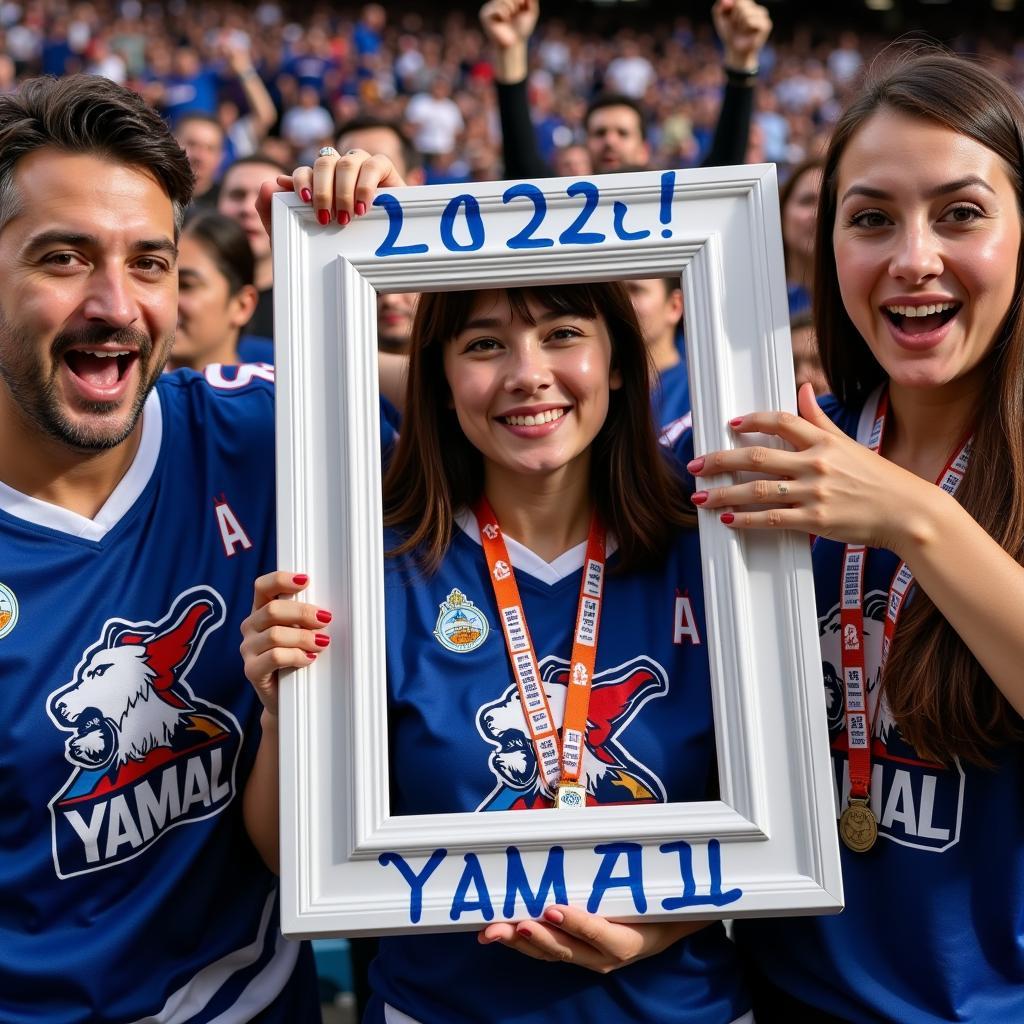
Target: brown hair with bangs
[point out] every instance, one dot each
(435, 470)
(943, 701)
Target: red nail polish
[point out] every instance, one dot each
(696, 465)
(736, 422)
(324, 616)
(699, 497)
(343, 217)
(312, 657)
(727, 518)
(324, 216)
(301, 580)
(322, 640)
(360, 208)
(306, 195)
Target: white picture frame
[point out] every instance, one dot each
(772, 834)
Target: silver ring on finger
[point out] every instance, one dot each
(783, 487)
(328, 151)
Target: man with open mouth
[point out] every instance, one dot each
(135, 511)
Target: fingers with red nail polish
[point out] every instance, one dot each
(281, 632)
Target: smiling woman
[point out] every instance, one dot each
(545, 624)
(912, 478)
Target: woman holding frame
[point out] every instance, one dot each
(912, 479)
(527, 487)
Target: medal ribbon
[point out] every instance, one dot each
(858, 716)
(558, 762)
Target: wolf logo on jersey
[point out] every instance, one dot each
(147, 754)
(610, 774)
(917, 803)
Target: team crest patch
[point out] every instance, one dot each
(461, 626)
(8, 610)
(146, 754)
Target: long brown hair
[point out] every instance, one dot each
(943, 701)
(435, 470)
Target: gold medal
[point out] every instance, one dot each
(857, 826)
(571, 795)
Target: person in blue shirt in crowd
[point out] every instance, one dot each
(798, 206)
(216, 296)
(912, 479)
(658, 302)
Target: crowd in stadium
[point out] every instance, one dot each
(529, 436)
(434, 73)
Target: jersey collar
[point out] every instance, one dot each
(525, 560)
(124, 495)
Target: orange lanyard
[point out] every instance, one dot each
(857, 826)
(560, 764)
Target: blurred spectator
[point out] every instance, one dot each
(846, 60)
(190, 86)
(244, 134)
(8, 73)
(307, 126)
(394, 320)
(807, 368)
(378, 135)
(572, 162)
(239, 189)
(202, 138)
(105, 61)
(435, 118)
(216, 295)
(630, 73)
(774, 127)
(798, 203)
(368, 33)
(659, 309)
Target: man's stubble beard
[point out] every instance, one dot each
(37, 398)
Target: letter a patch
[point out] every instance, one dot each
(232, 533)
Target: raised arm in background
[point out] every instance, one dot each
(742, 25)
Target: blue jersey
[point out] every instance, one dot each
(130, 890)
(459, 743)
(254, 349)
(932, 929)
(670, 394)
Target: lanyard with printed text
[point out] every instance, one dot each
(857, 825)
(560, 765)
